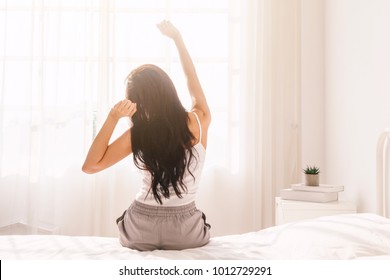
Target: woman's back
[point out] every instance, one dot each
(191, 177)
(161, 137)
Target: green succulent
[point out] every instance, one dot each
(311, 170)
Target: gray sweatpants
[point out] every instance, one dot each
(145, 227)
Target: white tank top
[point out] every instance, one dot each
(191, 182)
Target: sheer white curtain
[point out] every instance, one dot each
(274, 78)
(63, 65)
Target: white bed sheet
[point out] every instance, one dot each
(350, 236)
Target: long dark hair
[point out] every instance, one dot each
(160, 137)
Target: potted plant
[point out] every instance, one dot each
(312, 176)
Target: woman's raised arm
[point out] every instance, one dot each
(199, 102)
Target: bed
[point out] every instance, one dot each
(338, 237)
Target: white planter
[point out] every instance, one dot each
(312, 180)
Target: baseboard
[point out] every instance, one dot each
(21, 228)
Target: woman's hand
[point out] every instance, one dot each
(168, 29)
(124, 108)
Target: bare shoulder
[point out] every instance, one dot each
(205, 118)
(194, 126)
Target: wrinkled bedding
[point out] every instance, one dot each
(349, 236)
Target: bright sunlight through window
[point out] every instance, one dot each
(67, 60)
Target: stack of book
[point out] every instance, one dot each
(321, 193)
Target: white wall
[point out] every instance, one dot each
(357, 93)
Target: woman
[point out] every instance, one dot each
(168, 144)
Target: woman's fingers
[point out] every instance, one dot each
(128, 108)
(168, 29)
(125, 108)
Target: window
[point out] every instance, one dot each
(63, 64)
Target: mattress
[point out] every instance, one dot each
(348, 236)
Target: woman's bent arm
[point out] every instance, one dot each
(101, 154)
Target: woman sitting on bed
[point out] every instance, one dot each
(169, 145)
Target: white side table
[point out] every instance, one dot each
(292, 210)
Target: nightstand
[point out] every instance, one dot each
(293, 210)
